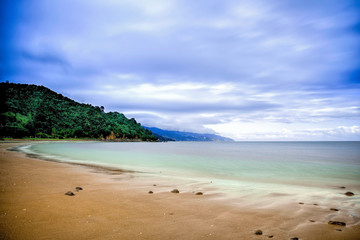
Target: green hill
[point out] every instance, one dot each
(36, 111)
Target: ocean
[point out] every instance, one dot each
(258, 173)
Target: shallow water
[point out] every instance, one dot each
(281, 171)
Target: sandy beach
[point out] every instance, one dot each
(116, 205)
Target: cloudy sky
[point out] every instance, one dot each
(245, 69)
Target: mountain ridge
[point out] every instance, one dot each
(188, 136)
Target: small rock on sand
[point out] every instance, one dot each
(258, 232)
(349, 194)
(337, 223)
(339, 230)
(301, 203)
(199, 193)
(270, 236)
(151, 192)
(312, 220)
(175, 191)
(342, 187)
(78, 188)
(294, 238)
(69, 193)
(334, 209)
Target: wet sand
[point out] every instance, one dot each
(117, 205)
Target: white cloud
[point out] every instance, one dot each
(263, 131)
(248, 69)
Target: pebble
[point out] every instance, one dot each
(258, 232)
(294, 238)
(334, 209)
(199, 193)
(175, 191)
(337, 223)
(69, 193)
(78, 188)
(151, 192)
(349, 194)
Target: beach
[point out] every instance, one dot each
(118, 205)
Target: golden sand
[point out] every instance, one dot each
(33, 205)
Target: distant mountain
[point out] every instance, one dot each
(162, 138)
(186, 136)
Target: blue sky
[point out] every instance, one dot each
(249, 70)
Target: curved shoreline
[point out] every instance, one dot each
(250, 192)
(101, 168)
(33, 206)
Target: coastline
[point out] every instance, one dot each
(33, 205)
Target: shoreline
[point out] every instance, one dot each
(33, 205)
(100, 168)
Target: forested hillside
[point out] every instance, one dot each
(36, 111)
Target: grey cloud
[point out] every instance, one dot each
(46, 59)
(194, 107)
(287, 60)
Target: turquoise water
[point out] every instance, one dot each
(299, 170)
(307, 163)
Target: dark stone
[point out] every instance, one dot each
(337, 223)
(315, 204)
(334, 209)
(199, 193)
(312, 220)
(349, 194)
(342, 187)
(154, 185)
(258, 232)
(151, 192)
(339, 230)
(69, 193)
(301, 203)
(294, 238)
(175, 191)
(78, 188)
(270, 236)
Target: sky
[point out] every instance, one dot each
(251, 70)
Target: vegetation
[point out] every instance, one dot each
(36, 111)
